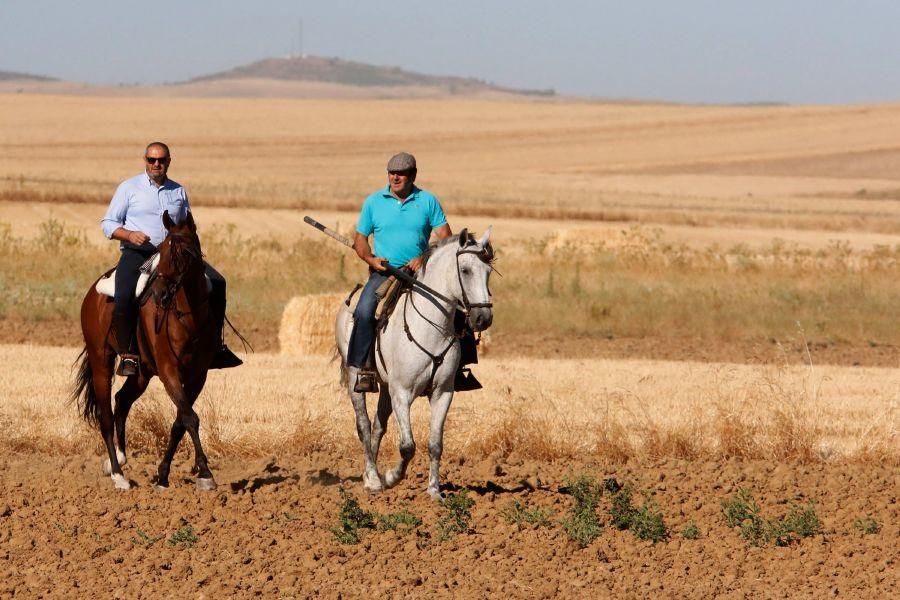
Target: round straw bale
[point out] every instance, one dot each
(307, 324)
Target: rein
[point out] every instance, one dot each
(181, 257)
(486, 255)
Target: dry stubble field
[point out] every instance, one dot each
(721, 317)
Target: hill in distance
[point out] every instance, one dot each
(369, 80)
(13, 76)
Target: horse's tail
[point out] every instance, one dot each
(345, 376)
(83, 394)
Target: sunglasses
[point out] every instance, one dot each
(152, 160)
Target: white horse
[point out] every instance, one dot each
(417, 354)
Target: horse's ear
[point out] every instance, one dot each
(167, 221)
(190, 222)
(463, 237)
(487, 236)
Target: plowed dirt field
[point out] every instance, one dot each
(266, 532)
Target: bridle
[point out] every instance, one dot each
(486, 255)
(181, 255)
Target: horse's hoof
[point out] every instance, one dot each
(392, 478)
(106, 467)
(120, 481)
(373, 485)
(435, 494)
(161, 488)
(206, 483)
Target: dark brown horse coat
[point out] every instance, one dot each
(177, 340)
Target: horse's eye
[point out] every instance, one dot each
(465, 270)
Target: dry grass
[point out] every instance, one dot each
(629, 284)
(537, 409)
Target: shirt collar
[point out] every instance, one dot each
(163, 186)
(386, 192)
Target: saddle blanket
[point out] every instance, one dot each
(107, 285)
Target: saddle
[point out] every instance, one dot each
(107, 283)
(387, 293)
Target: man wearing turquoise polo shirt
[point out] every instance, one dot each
(402, 217)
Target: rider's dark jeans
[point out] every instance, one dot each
(217, 295)
(126, 309)
(363, 335)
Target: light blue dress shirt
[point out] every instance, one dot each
(401, 229)
(138, 205)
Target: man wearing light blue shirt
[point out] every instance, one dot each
(134, 217)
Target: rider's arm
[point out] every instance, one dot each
(361, 245)
(443, 231)
(114, 219)
(138, 238)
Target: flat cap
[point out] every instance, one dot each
(402, 162)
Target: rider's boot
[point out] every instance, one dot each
(366, 379)
(129, 362)
(224, 358)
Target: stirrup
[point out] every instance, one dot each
(225, 359)
(464, 381)
(366, 381)
(128, 365)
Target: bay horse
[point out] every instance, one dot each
(418, 351)
(177, 340)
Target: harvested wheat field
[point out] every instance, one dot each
(691, 388)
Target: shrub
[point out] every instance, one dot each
(691, 531)
(645, 523)
(515, 513)
(184, 537)
(582, 524)
(867, 525)
(403, 521)
(351, 519)
(459, 515)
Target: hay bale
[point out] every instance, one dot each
(307, 324)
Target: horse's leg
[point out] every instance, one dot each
(191, 420)
(440, 404)
(125, 397)
(102, 366)
(401, 400)
(379, 425)
(175, 435)
(177, 394)
(371, 478)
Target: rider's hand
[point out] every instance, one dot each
(138, 238)
(415, 264)
(375, 262)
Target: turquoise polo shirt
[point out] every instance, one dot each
(401, 229)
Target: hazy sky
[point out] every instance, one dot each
(799, 51)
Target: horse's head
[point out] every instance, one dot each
(474, 264)
(180, 258)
